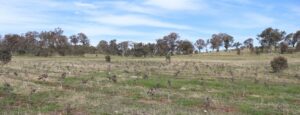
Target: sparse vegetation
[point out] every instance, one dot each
(141, 79)
(190, 84)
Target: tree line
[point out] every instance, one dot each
(54, 42)
(46, 43)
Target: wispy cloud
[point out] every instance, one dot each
(249, 21)
(238, 1)
(85, 5)
(259, 18)
(174, 4)
(107, 30)
(295, 9)
(128, 7)
(135, 20)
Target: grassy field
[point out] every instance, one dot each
(215, 83)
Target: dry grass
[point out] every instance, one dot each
(232, 84)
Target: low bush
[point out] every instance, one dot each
(5, 56)
(279, 63)
(107, 58)
(298, 47)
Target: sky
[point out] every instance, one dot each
(148, 20)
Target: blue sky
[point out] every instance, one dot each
(148, 20)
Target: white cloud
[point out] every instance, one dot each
(136, 8)
(15, 19)
(295, 9)
(85, 5)
(238, 1)
(135, 20)
(107, 30)
(155, 7)
(259, 18)
(175, 4)
(249, 21)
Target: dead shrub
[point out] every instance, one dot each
(279, 63)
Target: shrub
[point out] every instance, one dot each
(107, 58)
(298, 47)
(61, 52)
(77, 51)
(279, 63)
(168, 58)
(283, 48)
(257, 51)
(43, 53)
(5, 56)
(197, 52)
(238, 51)
(21, 52)
(7, 89)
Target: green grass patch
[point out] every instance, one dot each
(37, 102)
(189, 102)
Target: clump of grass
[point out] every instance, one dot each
(68, 109)
(7, 89)
(113, 78)
(145, 76)
(152, 91)
(207, 103)
(84, 81)
(43, 76)
(177, 73)
(169, 83)
(63, 75)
